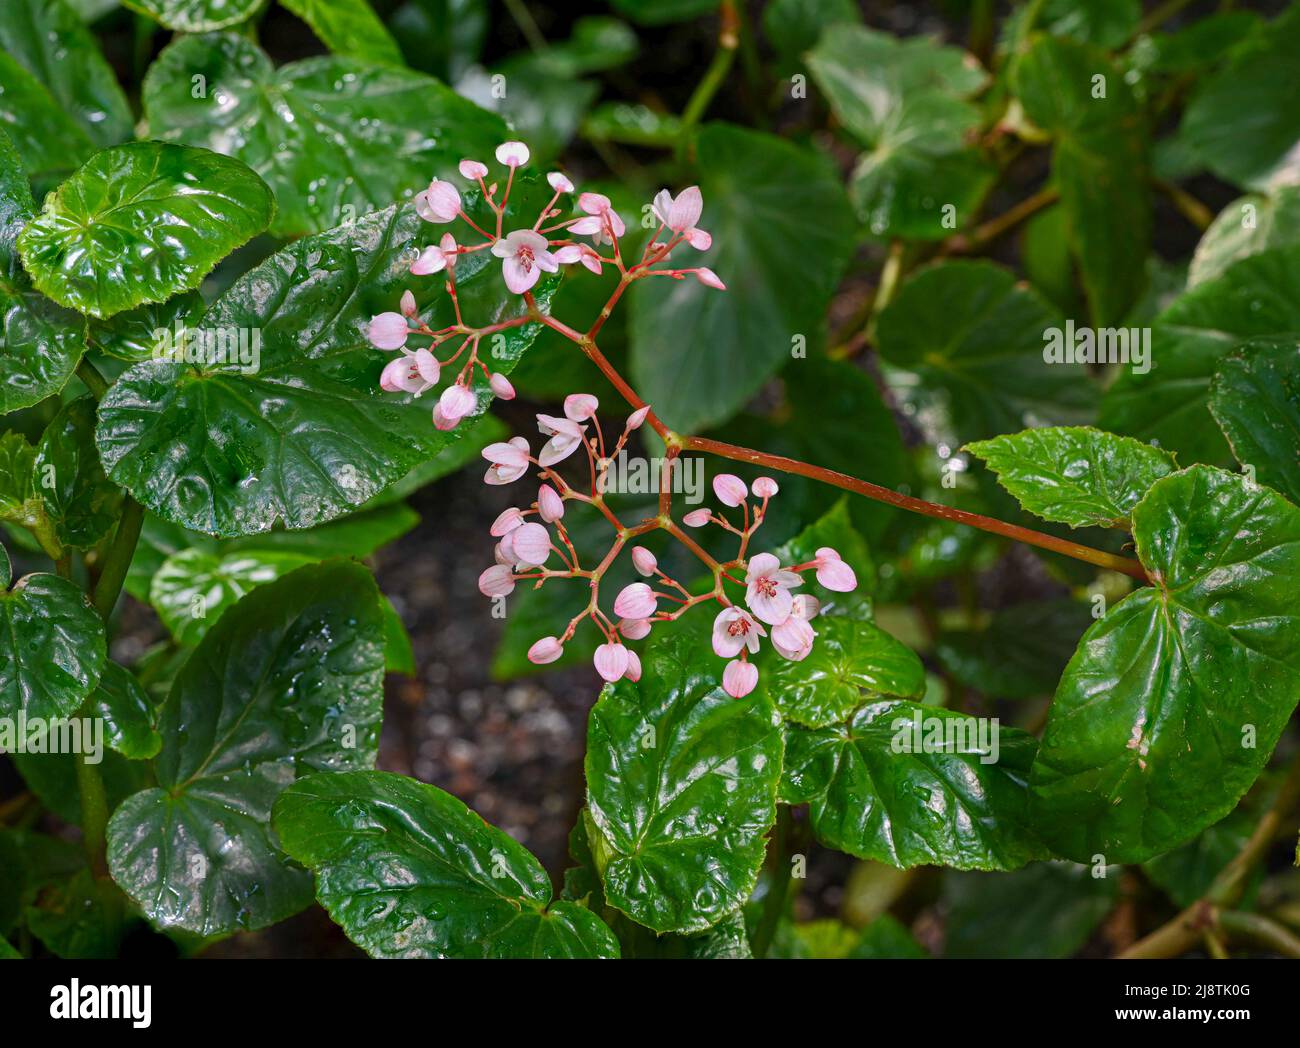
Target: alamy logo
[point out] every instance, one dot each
(75, 1001)
(643, 476)
(82, 735)
(1087, 345)
(213, 347)
(922, 734)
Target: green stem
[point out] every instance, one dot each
(778, 889)
(728, 40)
(94, 809)
(95, 382)
(1260, 930)
(118, 559)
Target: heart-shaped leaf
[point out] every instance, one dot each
(1255, 398)
(1175, 699)
(401, 127)
(140, 223)
(288, 682)
(748, 180)
(408, 871)
(681, 788)
(52, 648)
(299, 430)
(196, 16)
(1076, 475)
(908, 785)
(129, 716)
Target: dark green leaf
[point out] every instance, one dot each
(128, 714)
(658, 12)
(81, 504)
(1246, 227)
(288, 682)
(1255, 398)
(349, 28)
(138, 334)
(409, 871)
(81, 918)
(793, 26)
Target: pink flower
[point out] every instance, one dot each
(512, 154)
(455, 403)
(497, 581)
(439, 203)
(644, 561)
(473, 170)
(709, 278)
(633, 671)
(413, 373)
(448, 247)
(739, 678)
(549, 504)
(431, 260)
(580, 406)
(388, 331)
(611, 661)
(698, 239)
(604, 219)
(768, 593)
(559, 182)
(509, 461)
(793, 638)
(635, 601)
(566, 437)
(634, 629)
(507, 521)
(441, 421)
(408, 305)
(730, 489)
(734, 629)
(579, 253)
(637, 417)
(805, 606)
(524, 257)
(765, 487)
(833, 573)
(679, 214)
(548, 649)
(501, 386)
(530, 544)
(697, 518)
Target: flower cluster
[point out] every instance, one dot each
(525, 255)
(532, 537)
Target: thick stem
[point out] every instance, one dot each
(1065, 547)
(118, 559)
(94, 810)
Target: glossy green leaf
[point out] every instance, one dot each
(409, 871)
(1073, 92)
(20, 503)
(307, 435)
(129, 716)
(851, 663)
(1260, 295)
(140, 223)
(196, 16)
(288, 682)
(1255, 398)
(1261, 80)
(980, 359)
(137, 334)
(399, 655)
(905, 100)
(49, 141)
(40, 342)
(1046, 910)
(1246, 227)
(1186, 873)
(349, 28)
(1172, 703)
(908, 785)
(748, 180)
(80, 502)
(52, 648)
(681, 788)
(192, 589)
(401, 127)
(834, 529)
(1075, 475)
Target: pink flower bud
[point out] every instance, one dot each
(473, 169)
(447, 245)
(610, 661)
(501, 386)
(441, 421)
(594, 203)
(833, 573)
(580, 406)
(512, 154)
(634, 629)
(730, 489)
(408, 304)
(531, 544)
(456, 402)
(793, 639)
(509, 461)
(428, 367)
(709, 278)
(548, 649)
(439, 203)
(633, 671)
(388, 331)
(496, 581)
(559, 182)
(507, 521)
(805, 607)
(637, 417)
(739, 678)
(635, 601)
(644, 561)
(765, 487)
(431, 260)
(394, 377)
(549, 504)
(699, 239)
(697, 518)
